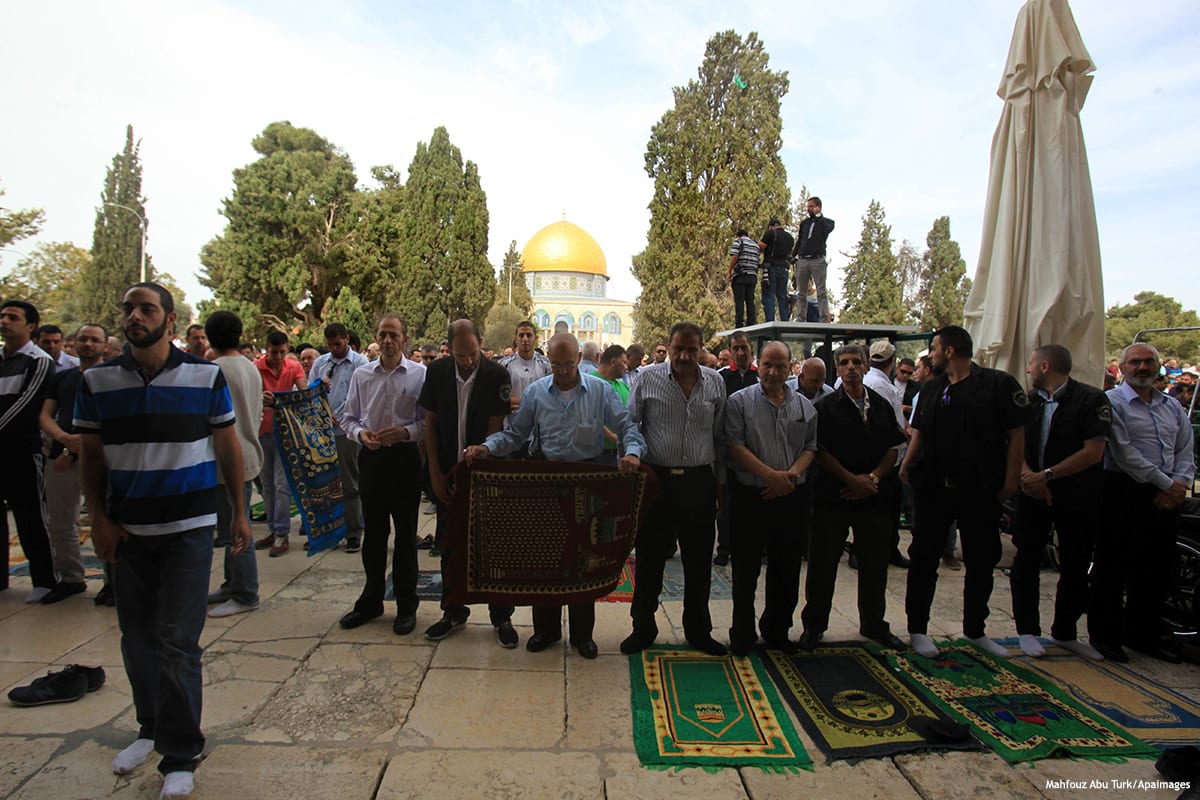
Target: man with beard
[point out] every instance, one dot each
(809, 253)
(24, 370)
(771, 432)
(62, 473)
(858, 439)
(153, 511)
(1061, 477)
(1148, 470)
(197, 341)
(963, 461)
(570, 411)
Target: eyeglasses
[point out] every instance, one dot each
(429, 357)
(660, 352)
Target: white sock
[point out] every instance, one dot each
(177, 784)
(1081, 649)
(1030, 646)
(990, 647)
(131, 757)
(923, 645)
(37, 594)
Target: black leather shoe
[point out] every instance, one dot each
(355, 618)
(1111, 652)
(404, 624)
(537, 643)
(637, 642)
(783, 645)
(808, 640)
(898, 560)
(588, 649)
(740, 649)
(62, 591)
(708, 645)
(721, 560)
(1163, 650)
(889, 640)
(852, 560)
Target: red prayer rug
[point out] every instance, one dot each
(541, 532)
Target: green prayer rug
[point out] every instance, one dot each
(1020, 715)
(852, 705)
(696, 710)
(624, 591)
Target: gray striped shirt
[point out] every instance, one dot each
(680, 431)
(776, 436)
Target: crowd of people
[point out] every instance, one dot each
(766, 458)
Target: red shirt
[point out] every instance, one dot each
(283, 381)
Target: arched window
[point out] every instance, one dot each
(541, 319)
(612, 323)
(567, 317)
(587, 322)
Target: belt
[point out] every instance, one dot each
(678, 472)
(809, 258)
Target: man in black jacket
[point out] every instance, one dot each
(1061, 478)
(809, 254)
(776, 246)
(466, 398)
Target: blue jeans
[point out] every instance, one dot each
(277, 497)
(775, 292)
(241, 570)
(161, 587)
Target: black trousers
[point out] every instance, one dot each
(1135, 548)
(22, 490)
(498, 614)
(978, 514)
(685, 507)
(547, 621)
(778, 528)
(873, 547)
(389, 484)
(743, 300)
(1075, 518)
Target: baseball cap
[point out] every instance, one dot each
(882, 351)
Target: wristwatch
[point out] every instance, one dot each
(874, 478)
(1049, 473)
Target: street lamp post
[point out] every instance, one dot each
(141, 220)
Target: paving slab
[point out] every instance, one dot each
(22, 757)
(626, 779)
(346, 692)
(598, 713)
(476, 647)
(233, 703)
(90, 711)
(459, 708)
(284, 619)
(969, 776)
(869, 779)
(86, 772)
(289, 773)
(1061, 778)
(44, 633)
(436, 774)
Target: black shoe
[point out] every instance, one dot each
(889, 640)
(105, 596)
(637, 642)
(808, 640)
(425, 543)
(588, 649)
(1164, 650)
(64, 686)
(852, 561)
(94, 675)
(435, 552)
(783, 645)
(1111, 652)
(740, 649)
(443, 628)
(353, 544)
(1179, 763)
(708, 645)
(62, 591)
(259, 518)
(405, 623)
(355, 618)
(506, 634)
(722, 559)
(537, 643)
(899, 560)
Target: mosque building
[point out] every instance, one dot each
(567, 276)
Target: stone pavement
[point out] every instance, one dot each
(297, 708)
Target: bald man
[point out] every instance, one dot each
(811, 382)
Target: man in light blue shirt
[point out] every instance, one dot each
(570, 411)
(1148, 470)
(335, 369)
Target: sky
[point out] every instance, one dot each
(890, 100)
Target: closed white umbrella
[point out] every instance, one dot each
(1038, 279)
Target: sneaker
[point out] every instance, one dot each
(280, 546)
(65, 686)
(231, 607)
(353, 544)
(429, 508)
(507, 635)
(444, 627)
(265, 542)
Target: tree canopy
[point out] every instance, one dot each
(714, 159)
(19, 223)
(944, 284)
(510, 282)
(871, 293)
(1153, 310)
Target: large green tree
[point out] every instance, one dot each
(500, 324)
(714, 159)
(511, 288)
(287, 245)
(443, 270)
(19, 223)
(870, 290)
(117, 238)
(51, 278)
(944, 284)
(1153, 310)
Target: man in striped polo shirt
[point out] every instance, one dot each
(156, 423)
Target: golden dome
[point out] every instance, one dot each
(563, 247)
